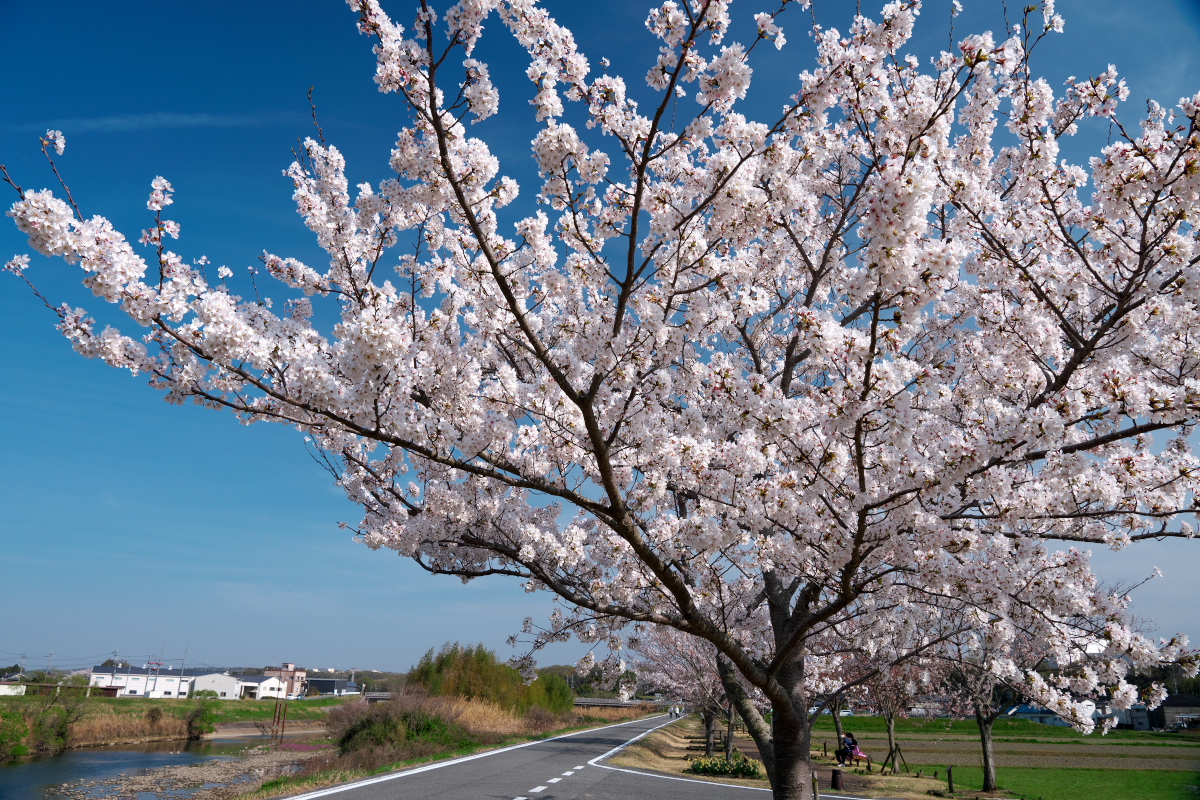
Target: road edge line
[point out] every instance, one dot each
(621, 747)
(345, 787)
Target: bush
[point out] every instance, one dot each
(13, 731)
(740, 766)
(203, 713)
(474, 672)
(154, 716)
(394, 725)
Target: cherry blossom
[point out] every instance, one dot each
(798, 387)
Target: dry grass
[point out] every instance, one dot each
(97, 729)
(482, 718)
(488, 724)
(667, 750)
(614, 714)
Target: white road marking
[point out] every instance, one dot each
(537, 789)
(568, 774)
(520, 798)
(595, 763)
(554, 780)
(346, 787)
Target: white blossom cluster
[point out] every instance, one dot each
(778, 384)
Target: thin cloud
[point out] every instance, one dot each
(127, 123)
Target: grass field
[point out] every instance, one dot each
(226, 710)
(1080, 784)
(1007, 730)
(1035, 762)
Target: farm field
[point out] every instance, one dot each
(960, 750)
(1035, 762)
(1040, 761)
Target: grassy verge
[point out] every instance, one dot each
(1034, 783)
(289, 784)
(668, 749)
(226, 710)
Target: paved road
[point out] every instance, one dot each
(562, 768)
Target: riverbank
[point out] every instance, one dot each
(38, 725)
(213, 779)
(272, 770)
(326, 770)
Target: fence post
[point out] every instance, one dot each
(950, 778)
(835, 782)
(816, 788)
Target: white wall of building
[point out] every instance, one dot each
(270, 689)
(133, 685)
(227, 687)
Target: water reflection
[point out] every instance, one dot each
(36, 779)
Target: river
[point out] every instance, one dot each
(36, 778)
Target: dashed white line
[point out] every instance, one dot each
(579, 768)
(569, 773)
(554, 780)
(520, 798)
(537, 789)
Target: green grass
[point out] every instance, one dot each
(226, 710)
(292, 783)
(1035, 783)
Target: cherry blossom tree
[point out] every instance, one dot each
(770, 383)
(685, 667)
(974, 670)
(891, 690)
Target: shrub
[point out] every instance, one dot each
(396, 724)
(13, 731)
(203, 713)
(154, 716)
(474, 672)
(740, 766)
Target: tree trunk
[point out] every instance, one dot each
(710, 731)
(836, 710)
(756, 726)
(793, 765)
(985, 722)
(891, 730)
(729, 734)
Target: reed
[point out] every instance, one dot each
(96, 729)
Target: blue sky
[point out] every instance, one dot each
(130, 525)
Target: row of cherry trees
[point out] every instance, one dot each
(966, 676)
(866, 376)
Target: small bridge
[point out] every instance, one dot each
(613, 702)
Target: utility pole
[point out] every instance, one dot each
(182, 664)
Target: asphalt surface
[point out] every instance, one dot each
(562, 768)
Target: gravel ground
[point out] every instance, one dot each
(215, 779)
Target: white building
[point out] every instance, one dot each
(145, 681)
(262, 687)
(12, 689)
(225, 685)
(242, 687)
